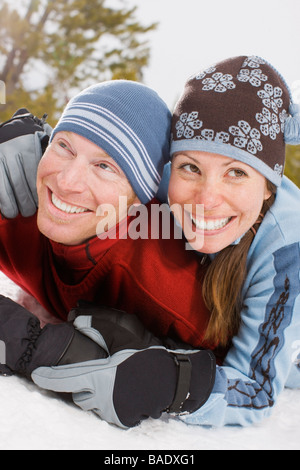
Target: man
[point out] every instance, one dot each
(111, 143)
(109, 146)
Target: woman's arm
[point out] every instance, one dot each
(263, 354)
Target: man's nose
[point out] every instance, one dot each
(73, 176)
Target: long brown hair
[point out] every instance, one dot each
(223, 282)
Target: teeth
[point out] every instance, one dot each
(65, 207)
(215, 224)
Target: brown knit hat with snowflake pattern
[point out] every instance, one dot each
(240, 108)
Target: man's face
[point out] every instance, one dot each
(75, 177)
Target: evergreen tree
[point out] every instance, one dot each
(292, 166)
(50, 48)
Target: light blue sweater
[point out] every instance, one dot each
(265, 356)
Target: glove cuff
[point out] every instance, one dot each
(46, 347)
(184, 367)
(195, 380)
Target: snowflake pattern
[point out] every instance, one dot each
(271, 97)
(283, 117)
(268, 123)
(255, 76)
(209, 134)
(245, 137)
(253, 62)
(222, 137)
(219, 82)
(187, 124)
(278, 169)
(201, 75)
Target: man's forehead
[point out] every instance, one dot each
(77, 139)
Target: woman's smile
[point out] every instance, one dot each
(210, 225)
(230, 194)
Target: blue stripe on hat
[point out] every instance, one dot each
(138, 156)
(130, 122)
(126, 144)
(228, 151)
(127, 129)
(87, 130)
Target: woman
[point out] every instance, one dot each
(229, 132)
(228, 148)
(227, 157)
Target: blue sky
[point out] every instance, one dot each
(197, 33)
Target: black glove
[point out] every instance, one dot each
(23, 140)
(24, 346)
(140, 377)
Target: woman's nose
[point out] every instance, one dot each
(209, 194)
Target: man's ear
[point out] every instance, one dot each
(136, 201)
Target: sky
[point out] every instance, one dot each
(194, 34)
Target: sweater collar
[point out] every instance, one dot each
(82, 258)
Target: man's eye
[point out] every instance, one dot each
(63, 145)
(106, 167)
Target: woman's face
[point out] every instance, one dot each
(75, 177)
(217, 198)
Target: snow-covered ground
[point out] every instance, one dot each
(33, 419)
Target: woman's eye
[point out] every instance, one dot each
(236, 173)
(190, 168)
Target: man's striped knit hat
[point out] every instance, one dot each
(130, 122)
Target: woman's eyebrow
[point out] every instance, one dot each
(187, 156)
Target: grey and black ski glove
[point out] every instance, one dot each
(23, 140)
(140, 376)
(24, 346)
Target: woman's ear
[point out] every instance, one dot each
(270, 189)
(268, 194)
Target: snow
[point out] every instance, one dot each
(34, 419)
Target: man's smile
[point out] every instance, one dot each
(69, 209)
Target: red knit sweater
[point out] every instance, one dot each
(158, 280)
